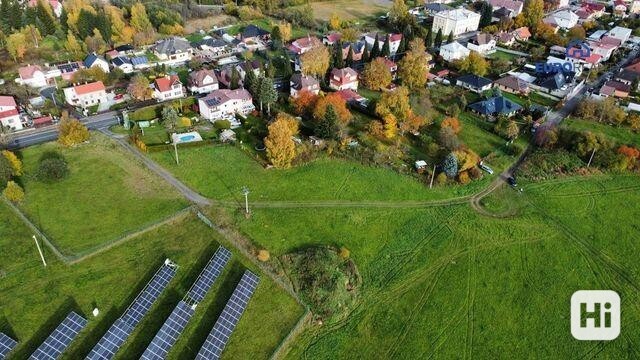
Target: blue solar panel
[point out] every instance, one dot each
(209, 275)
(118, 333)
(168, 334)
(219, 335)
(60, 338)
(6, 345)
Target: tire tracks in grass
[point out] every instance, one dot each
(471, 298)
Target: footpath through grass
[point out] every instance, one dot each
(105, 196)
(447, 282)
(35, 299)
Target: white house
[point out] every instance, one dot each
(34, 76)
(394, 41)
(456, 21)
(86, 95)
(342, 79)
(301, 82)
(93, 60)
(514, 7)
(123, 63)
(173, 51)
(304, 44)
(203, 81)
(564, 19)
(454, 51)
(167, 88)
(482, 43)
(9, 115)
(225, 103)
(621, 33)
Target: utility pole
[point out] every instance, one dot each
(245, 192)
(175, 148)
(433, 174)
(591, 157)
(40, 251)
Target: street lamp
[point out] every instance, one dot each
(245, 192)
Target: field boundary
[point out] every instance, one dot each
(283, 348)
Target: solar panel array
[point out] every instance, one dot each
(177, 321)
(6, 345)
(118, 333)
(219, 335)
(60, 338)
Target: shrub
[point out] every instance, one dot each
(463, 178)
(222, 124)
(344, 253)
(52, 167)
(263, 255)
(441, 179)
(13, 192)
(475, 173)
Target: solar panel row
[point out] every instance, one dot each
(58, 341)
(118, 333)
(6, 345)
(219, 335)
(177, 321)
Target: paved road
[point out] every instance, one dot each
(36, 136)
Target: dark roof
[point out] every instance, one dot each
(120, 60)
(172, 45)
(474, 81)
(301, 81)
(123, 48)
(139, 60)
(554, 81)
(253, 31)
(437, 7)
(90, 59)
(495, 105)
(212, 42)
(502, 12)
(628, 75)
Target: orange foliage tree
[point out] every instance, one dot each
(452, 123)
(304, 102)
(339, 105)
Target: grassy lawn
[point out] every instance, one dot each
(349, 9)
(620, 134)
(533, 96)
(79, 212)
(499, 54)
(447, 282)
(219, 172)
(34, 299)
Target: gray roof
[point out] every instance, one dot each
(475, 81)
(172, 45)
(495, 105)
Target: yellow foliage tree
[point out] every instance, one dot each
(390, 126)
(16, 164)
(16, 45)
(72, 45)
(467, 159)
(376, 75)
(71, 131)
(414, 66)
(13, 192)
(281, 149)
(139, 18)
(315, 62)
(474, 63)
(285, 30)
(121, 32)
(335, 22)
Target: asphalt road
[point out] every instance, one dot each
(49, 133)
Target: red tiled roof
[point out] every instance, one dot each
(164, 84)
(522, 32)
(8, 113)
(349, 95)
(7, 101)
(26, 72)
(89, 88)
(395, 37)
(42, 120)
(610, 40)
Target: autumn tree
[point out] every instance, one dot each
(17, 46)
(399, 14)
(281, 149)
(452, 123)
(376, 75)
(390, 126)
(339, 106)
(315, 62)
(335, 22)
(304, 102)
(285, 30)
(169, 117)
(13, 192)
(95, 43)
(139, 18)
(396, 103)
(576, 32)
(139, 88)
(448, 139)
(14, 161)
(414, 66)
(73, 46)
(474, 64)
(413, 123)
(533, 12)
(350, 34)
(71, 131)
(121, 32)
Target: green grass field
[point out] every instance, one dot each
(105, 196)
(620, 134)
(34, 299)
(447, 282)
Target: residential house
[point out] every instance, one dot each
(621, 33)
(602, 49)
(505, 38)
(627, 77)
(394, 41)
(589, 11)
(619, 8)
(342, 79)
(514, 7)
(615, 88)
(173, 51)
(86, 95)
(522, 33)
(203, 81)
(392, 66)
(299, 82)
(167, 88)
(634, 7)
(9, 114)
(434, 8)
(554, 83)
(353, 98)
(498, 105)
(512, 84)
(597, 35)
(35, 76)
(224, 103)
(304, 44)
(126, 49)
(456, 22)
(123, 63)
(93, 60)
(56, 6)
(357, 48)
(454, 51)
(482, 43)
(587, 60)
(140, 62)
(225, 75)
(250, 65)
(214, 45)
(561, 4)
(474, 83)
(564, 19)
(68, 69)
(254, 33)
(331, 38)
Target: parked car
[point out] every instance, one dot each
(512, 181)
(485, 167)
